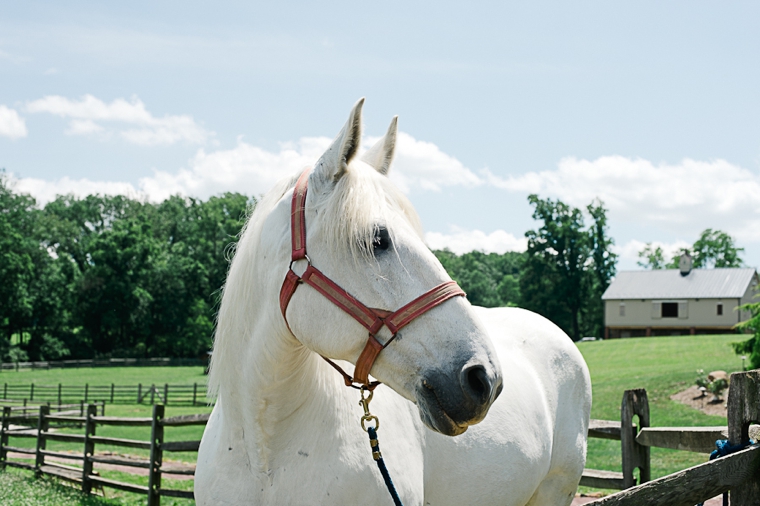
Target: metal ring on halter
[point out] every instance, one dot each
(367, 418)
(305, 257)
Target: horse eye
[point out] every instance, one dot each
(382, 240)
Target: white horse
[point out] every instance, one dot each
(285, 429)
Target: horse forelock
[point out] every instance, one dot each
(348, 215)
(361, 201)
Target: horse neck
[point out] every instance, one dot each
(273, 384)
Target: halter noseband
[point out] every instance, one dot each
(372, 319)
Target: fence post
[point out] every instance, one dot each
(42, 428)
(166, 394)
(139, 393)
(4, 436)
(102, 408)
(86, 391)
(635, 402)
(31, 392)
(5, 391)
(156, 455)
(152, 394)
(195, 392)
(112, 387)
(89, 448)
(59, 395)
(744, 409)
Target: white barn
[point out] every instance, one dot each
(676, 302)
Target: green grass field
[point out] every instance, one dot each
(106, 376)
(662, 365)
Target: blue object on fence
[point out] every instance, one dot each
(723, 448)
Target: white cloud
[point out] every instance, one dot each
(630, 250)
(461, 241)
(11, 124)
(423, 165)
(130, 119)
(45, 191)
(246, 169)
(686, 197)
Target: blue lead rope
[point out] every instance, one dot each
(723, 448)
(381, 464)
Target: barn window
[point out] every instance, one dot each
(622, 309)
(670, 309)
(720, 309)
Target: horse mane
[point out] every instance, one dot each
(359, 202)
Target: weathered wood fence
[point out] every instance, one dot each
(737, 473)
(109, 362)
(191, 395)
(84, 476)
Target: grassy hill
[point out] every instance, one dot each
(664, 366)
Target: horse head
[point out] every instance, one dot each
(363, 234)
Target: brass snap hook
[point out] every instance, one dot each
(364, 403)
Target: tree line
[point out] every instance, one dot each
(562, 275)
(110, 276)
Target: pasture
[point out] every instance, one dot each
(662, 365)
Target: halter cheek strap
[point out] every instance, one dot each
(372, 319)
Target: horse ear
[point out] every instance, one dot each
(380, 155)
(334, 162)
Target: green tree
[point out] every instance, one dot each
(751, 346)
(604, 266)
(489, 279)
(652, 257)
(715, 248)
(555, 281)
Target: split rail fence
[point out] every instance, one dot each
(39, 427)
(110, 362)
(737, 473)
(192, 395)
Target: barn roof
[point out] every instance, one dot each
(669, 284)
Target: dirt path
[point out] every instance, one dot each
(715, 501)
(140, 471)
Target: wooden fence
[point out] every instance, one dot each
(110, 362)
(185, 395)
(84, 476)
(737, 473)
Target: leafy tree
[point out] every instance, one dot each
(554, 281)
(18, 253)
(489, 279)
(652, 257)
(716, 249)
(751, 346)
(567, 266)
(604, 263)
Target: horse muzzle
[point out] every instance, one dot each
(450, 403)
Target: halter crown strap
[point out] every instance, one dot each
(372, 319)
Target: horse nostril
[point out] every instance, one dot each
(476, 384)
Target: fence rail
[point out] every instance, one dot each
(167, 394)
(736, 473)
(84, 477)
(111, 362)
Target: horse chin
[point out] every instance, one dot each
(435, 417)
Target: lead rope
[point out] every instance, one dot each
(375, 445)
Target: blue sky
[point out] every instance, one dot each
(652, 107)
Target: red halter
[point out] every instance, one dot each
(372, 319)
